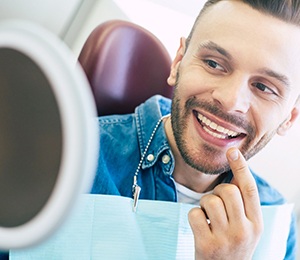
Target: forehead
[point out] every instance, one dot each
(227, 15)
(250, 34)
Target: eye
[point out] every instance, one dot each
(214, 65)
(262, 87)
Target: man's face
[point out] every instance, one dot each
(236, 84)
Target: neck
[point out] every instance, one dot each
(185, 174)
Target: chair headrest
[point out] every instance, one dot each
(125, 65)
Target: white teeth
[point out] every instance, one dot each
(222, 132)
(213, 125)
(220, 129)
(214, 134)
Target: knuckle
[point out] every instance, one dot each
(242, 236)
(250, 189)
(196, 215)
(228, 190)
(241, 167)
(193, 213)
(210, 201)
(247, 234)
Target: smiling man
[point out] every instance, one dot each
(237, 84)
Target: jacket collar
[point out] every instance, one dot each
(147, 116)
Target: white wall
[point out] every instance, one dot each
(54, 15)
(168, 20)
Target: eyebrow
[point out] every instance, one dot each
(215, 47)
(210, 45)
(280, 77)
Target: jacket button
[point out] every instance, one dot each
(165, 159)
(150, 157)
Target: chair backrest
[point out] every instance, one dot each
(125, 64)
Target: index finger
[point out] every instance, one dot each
(245, 181)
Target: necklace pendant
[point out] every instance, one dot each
(136, 195)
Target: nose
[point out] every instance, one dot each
(233, 94)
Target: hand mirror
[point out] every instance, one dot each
(48, 133)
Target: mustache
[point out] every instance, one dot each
(216, 110)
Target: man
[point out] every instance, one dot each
(236, 85)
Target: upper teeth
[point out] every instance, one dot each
(223, 132)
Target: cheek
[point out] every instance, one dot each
(266, 120)
(191, 82)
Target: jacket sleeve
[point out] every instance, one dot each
(291, 250)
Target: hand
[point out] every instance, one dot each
(234, 214)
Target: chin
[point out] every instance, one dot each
(207, 163)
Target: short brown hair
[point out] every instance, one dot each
(286, 10)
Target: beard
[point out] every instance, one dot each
(207, 158)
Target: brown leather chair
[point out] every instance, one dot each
(125, 65)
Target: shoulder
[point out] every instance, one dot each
(155, 106)
(267, 193)
(143, 117)
(105, 121)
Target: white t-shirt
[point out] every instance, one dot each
(185, 195)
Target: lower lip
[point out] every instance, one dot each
(214, 140)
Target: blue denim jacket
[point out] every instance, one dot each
(122, 143)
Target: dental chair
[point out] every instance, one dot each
(125, 65)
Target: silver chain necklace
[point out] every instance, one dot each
(136, 189)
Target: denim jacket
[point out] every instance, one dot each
(123, 140)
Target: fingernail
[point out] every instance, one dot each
(234, 154)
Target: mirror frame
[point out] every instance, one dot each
(79, 128)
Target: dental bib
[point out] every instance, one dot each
(106, 227)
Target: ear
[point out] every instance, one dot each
(286, 125)
(176, 62)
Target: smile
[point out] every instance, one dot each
(216, 130)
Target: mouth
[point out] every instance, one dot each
(217, 131)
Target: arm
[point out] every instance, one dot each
(234, 214)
